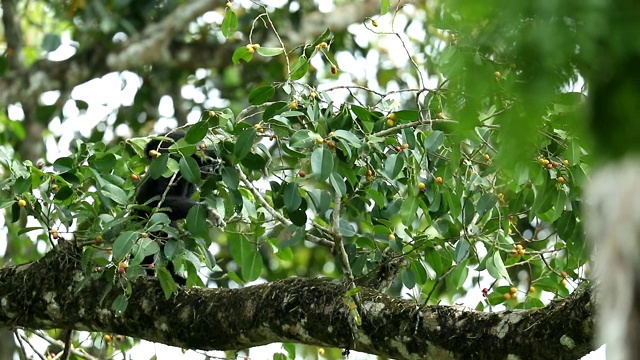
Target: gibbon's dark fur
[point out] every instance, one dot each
(178, 201)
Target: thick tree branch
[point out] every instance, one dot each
(54, 293)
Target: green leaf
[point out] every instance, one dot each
(408, 210)
(247, 256)
(338, 184)
(384, 6)
(459, 275)
(434, 140)
(189, 169)
(196, 132)
(244, 143)
(299, 68)
(393, 166)
(486, 203)
(120, 304)
(197, 220)
(292, 198)
(303, 138)
(348, 137)
(63, 164)
(158, 166)
(229, 23)
(496, 267)
(241, 53)
(168, 285)
(268, 51)
(115, 193)
(261, 95)
(322, 163)
(123, 244)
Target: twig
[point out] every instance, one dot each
(53, 341)
(411, 124)
(339, 245)
(276, 215)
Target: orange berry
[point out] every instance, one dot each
(301, 173)
(135, 177)
(440, 116)
(507, 296)
(439, 180)
(560, 180)
(513, 290)
(369, 172)
(107, 338)
(563, 274)
(331, 144)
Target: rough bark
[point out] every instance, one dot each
(54, 293)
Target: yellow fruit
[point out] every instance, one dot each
(486, 156)
(107, 338)
(22, 203)
(392, 237)
(374, 23)
(313, 94)
(393, 116)
(560, 180)
(563, 282)
(154, 153)
(369, 172)
(390, 122)
(513, 290)
(518, 247)
(332, 134)
(506, 296)
(228, 4)
(532, 289)
(497, 74)
(293, 105)
(565, 162)
(255, 46)
(98, 240)
(321, 351)
(405, 146)
(421, 186)
(522, 252)
(319, 140)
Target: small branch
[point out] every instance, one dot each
(276, 215)
(339, 246)
(53, 341)
(410, 125)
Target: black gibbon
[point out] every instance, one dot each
(177, 202)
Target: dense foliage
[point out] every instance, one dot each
(462, 155)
